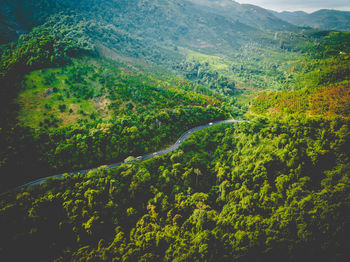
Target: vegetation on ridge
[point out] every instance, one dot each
(94, 82)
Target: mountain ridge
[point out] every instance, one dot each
(159, 28)
(21, 15)
(245, 13)
(326, 19)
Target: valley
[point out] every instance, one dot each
(137, 95)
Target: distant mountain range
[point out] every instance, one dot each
(220, 26)
(270, 20)
(245, 13)
(161, 26)
(322, 19)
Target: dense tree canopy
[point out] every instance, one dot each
(263, 190)
(90, 83)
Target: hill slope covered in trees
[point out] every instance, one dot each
(91, 82)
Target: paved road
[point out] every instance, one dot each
(175, 146)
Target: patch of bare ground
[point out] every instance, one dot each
(101, 105)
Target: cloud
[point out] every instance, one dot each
(303, 5)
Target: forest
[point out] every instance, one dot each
(321, 84)
(75, 109)
(89, 83)
(263, 190)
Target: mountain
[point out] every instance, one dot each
(191, 23)
(245, 13)
(153, 29)
(87, 84)
(322, 19)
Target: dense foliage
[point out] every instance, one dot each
(92, 89)
(322, 80)
(258, 191)
(95, 82)
(80, 110)
(326, 101)
(203, 74)
(41, 48)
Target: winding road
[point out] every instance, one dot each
(175, 146)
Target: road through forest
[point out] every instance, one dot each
(175, 146)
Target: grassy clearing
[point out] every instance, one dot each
(48, 100)
(91, 89)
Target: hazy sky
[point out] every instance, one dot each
(300, 5)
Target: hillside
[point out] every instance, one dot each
(140, 19)
(248, 14)
(170, 32)
(321, 87)
(89, 83)
(70, 89)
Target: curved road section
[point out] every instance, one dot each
(175, 146)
